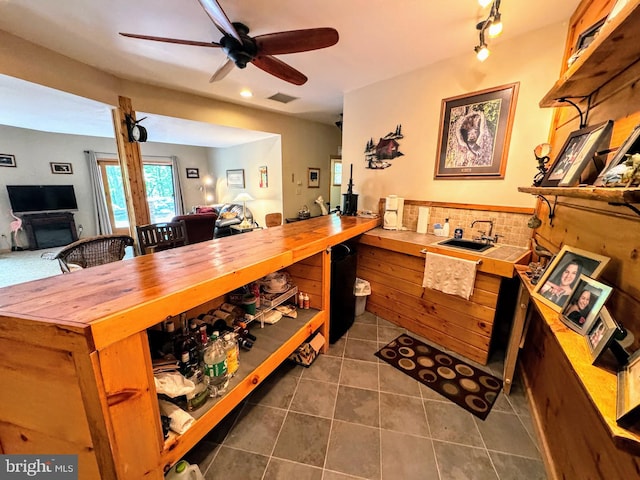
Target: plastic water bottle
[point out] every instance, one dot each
(215, 366)
(233, 353)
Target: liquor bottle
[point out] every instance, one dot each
(306, 302)
(195, 373)
(215, 366)
(233, 354)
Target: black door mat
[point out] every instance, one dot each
(472, 389)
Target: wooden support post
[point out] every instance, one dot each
(131, 165)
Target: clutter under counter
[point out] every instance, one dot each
(393, 264)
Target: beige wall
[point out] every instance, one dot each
(414, 101)
(304, 143)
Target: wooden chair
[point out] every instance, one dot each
(161, 236)
(273, 219)
(92, 251)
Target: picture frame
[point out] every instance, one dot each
(599, 336)
(617, 7)
(474, 133)
(552, 289)
(630, 146)
(584, 305)
(61, 168)
(235, 178)
(264, 177)
(7, 160)
(628, 393)
(193, 172)
(313, 178)
(577, 151)
(585, 39)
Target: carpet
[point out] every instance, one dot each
(467, 386)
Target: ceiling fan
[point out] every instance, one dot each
(260, 50)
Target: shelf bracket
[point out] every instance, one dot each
(552, 210)
(583, 120)
(628, 205)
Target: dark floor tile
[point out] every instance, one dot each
(202, 454)
(356, 373)
(256, 429)
(283, 470)
(407, 457)
(458, 462)
(502, 404)
(403, 414)
(337, 349)
(222, 429)
(366, 317)
(315, 398)
(232, 464)
(358, 406)
(276, 391)
(324, 368)
(450, 423)
(329, 475)
(361, 350)
(386, 323)
(386, 334)
(511, 467)
(393, 380)
(505, 433)
(364, 331)
(354, 450)
(303, 439)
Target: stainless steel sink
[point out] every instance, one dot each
(466, 244)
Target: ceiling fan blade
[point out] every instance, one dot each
(294, 41)
(172, 40)
(219, 18)
(279, 69)
(222, 71)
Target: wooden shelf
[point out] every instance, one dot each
(602, 194)
(616, 47)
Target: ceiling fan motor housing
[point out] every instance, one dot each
(239, 53)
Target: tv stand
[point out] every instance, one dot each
(49, 229)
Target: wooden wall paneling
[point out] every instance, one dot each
(307, 275)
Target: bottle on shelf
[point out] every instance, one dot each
(300, 300)
(233, 354)
(215, 366)
(458, 232)
(445, 228)
(306, 303)
(194, 372)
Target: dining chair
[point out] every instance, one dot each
(92, 251)
(156, 237)
(273, 219)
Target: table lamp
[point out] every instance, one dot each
(244, 197)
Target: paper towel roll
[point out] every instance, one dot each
(423, 219)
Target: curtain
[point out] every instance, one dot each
(100, 211)
(177, 189)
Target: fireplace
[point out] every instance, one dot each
(46, 230)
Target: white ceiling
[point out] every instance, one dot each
(379, 39)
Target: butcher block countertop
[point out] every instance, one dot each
(498, 260)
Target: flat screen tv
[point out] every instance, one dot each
(39, 198)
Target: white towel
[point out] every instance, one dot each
(455, 276)
(180, 420)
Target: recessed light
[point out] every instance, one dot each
(246, 93)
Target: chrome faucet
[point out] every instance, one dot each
(487, 238)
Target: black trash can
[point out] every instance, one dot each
(343, 277)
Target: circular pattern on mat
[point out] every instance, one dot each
(388, 353)
(406, 352)
(450, 388)
(489, 382)
(407, 364)
(490, 396)
(476, 403)
(446, 372)
(423, 349)
(469, 385)
(405, 340)
(427, 375)
(443, 359)
(425, 361)
(465, 370)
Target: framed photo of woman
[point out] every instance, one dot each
(584, 304)
(600, 334)
(559, 280)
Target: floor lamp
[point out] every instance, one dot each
(244, 198)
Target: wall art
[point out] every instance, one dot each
(193, 173)
(313, 179)
(264, 177)
(235, 178)
(61, 168)
(377, 155)
(7, 160)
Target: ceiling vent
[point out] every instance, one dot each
(282, 98)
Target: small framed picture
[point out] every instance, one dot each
(576, 153)
(63, 168)
(313, 181)
(628, 401)
(559, 280)
(264, 177)
(193, 173)
(585, 303)
(600, 334)
(7, 160)
(235, 178)
(630, 146)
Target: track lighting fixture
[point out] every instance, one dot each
(492, 25)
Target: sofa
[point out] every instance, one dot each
(199, 226)
(229, 214)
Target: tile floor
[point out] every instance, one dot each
(351, 416)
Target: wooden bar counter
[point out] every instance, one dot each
(74, 356)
